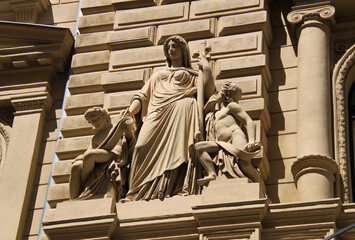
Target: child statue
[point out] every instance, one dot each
(107, 156)
(227, 146)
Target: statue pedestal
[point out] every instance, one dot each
(231, 190)
(81, 219)
(227, 206)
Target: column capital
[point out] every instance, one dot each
(30, 103)
(323, 13)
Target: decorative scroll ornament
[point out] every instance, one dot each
(339, 78)
(324, 12)
(4, 142)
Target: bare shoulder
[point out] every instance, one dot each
(235, 107)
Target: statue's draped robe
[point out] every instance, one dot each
(109, 171)
(163, 162)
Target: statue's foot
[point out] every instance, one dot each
(123, 200)
(205, 180)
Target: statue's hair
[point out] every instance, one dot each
(95, 112)
(228, 88)
(184, 47)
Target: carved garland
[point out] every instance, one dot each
(339, 75)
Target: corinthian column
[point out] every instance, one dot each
(314, 170)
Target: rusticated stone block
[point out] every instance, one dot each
(188, 30)
(73, 126)
(85, 83)
(283, 123)
(125, 80)
(138, 37)
(58, 193)
(96, 22)
(282, 146)
(245, 22)
(252, 86)
(70, 148)
(135, 57)
(257, 110)
(126, 4)
(281, 58)
(97, 6)
(90, 62)
(202, 9)
(171, 1)
(78, 104)
(151, 15)
(284, 79)
(281, 171)
(241, 66)
(283, 101)
(230, 46)
(65, 12)
(61, 171)
(91, 42)
(117, 101)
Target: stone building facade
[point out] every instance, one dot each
(293, 60)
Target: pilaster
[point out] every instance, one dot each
(22, 156)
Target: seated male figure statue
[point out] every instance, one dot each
(108, 145)
(227, 146)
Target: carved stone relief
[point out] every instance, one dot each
(339, 97)
(169, 112)
(4, 142)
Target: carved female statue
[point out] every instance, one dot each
(163, 162)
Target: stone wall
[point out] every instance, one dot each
(283, 106)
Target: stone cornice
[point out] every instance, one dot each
(322, 13)
(31, 45)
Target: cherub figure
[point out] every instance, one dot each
(227, 146)
(107, 156)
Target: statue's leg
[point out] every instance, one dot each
(75, 179)
(92, 157)
(204, 149)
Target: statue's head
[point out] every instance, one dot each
(184, 47)
(231, 92)
(98, 117)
